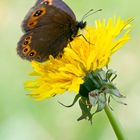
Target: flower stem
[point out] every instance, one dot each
(118, 129)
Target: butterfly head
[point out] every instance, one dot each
(82, 24)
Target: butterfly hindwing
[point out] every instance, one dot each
(43, 41)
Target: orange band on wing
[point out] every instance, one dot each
(26, 50)
(27, 41)
(32, 53)
(35, 16)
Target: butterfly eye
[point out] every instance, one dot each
(32, 53)
(38, 13)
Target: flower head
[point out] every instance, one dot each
(81, 56)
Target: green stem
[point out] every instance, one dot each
(118, 129)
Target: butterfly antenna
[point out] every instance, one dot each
(91, 10)
(89, 13)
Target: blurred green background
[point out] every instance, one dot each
(23, 118)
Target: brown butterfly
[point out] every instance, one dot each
(48, 27)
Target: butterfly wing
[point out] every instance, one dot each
(42, 42)
(43, 9)
(48, 39)
(48, 29)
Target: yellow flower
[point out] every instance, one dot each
(66, 73)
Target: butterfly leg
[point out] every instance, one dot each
(71, 39)
(70, 45)
(84, 38)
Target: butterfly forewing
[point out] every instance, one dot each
(40, 14)
(58, 4)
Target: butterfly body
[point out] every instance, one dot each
(48, 27)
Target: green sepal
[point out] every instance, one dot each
(93, 97)
(93, 80)
(83, 91)
(101, 102)
(112, 90)
(74, 101)
(120, 102)
(96, 91)
(98, 77)
(102, 74)
(110, 75)
(89, 83)
(85, 110)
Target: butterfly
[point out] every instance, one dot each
(48, 27)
